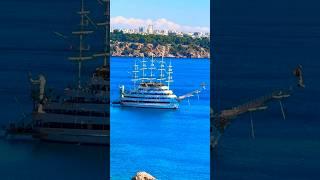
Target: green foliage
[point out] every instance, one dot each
(175, 41)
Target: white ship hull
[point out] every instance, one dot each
(67, 128)
(74, 136)
(150, 105)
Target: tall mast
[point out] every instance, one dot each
(135, 72)
(144, 67)
(170, 72)
(152, 67)
(105, 25)
(81, 33)
(161, 69)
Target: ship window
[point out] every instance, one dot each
(79, 113)
(147, 101)
(58, 125)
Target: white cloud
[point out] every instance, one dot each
(162, 23)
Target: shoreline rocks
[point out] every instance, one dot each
(143, 176)
(127, 49)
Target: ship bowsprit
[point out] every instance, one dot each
(220, 121)
(22, 129)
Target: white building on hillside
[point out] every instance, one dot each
(150, 29)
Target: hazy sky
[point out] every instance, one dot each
(186, 15)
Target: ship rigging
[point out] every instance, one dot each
(81, 114)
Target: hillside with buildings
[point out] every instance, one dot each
(165, 32)
(140, 42)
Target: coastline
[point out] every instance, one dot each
(194, 58)
(135, 45)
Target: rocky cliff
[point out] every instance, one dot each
(148, 49)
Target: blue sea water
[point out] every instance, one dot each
(28, 44)
(169, 144)
(257, 44)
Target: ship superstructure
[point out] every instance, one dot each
(81, 114)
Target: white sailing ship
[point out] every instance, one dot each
(149, 91)
(81, 115)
